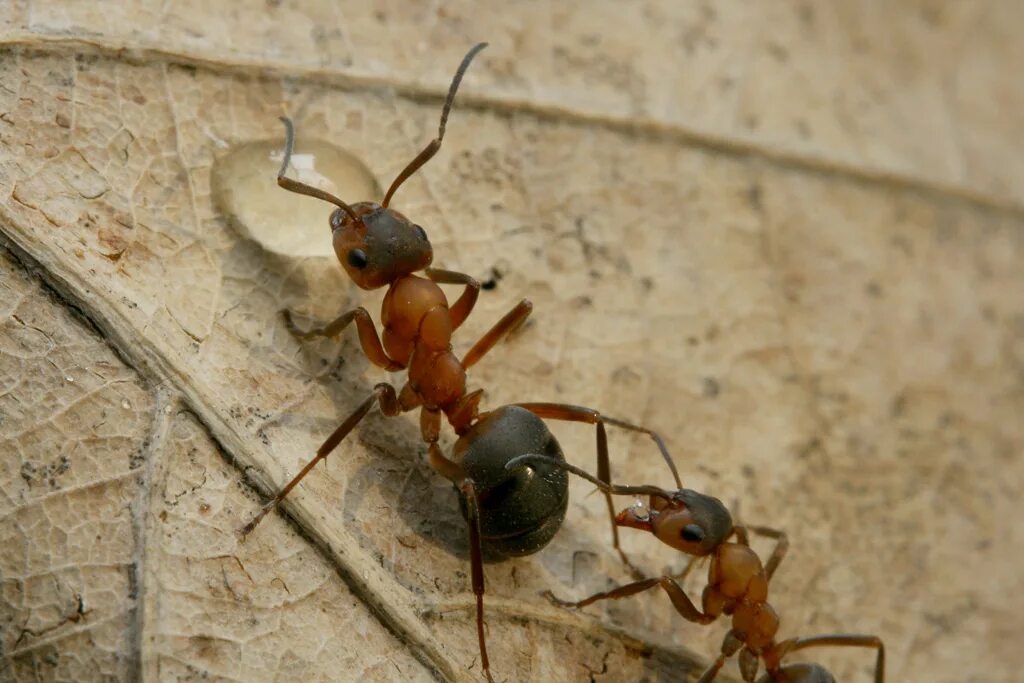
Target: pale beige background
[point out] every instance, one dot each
(789, 236)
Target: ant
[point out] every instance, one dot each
(700, 526)
(515, 513)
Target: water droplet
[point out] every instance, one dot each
(641, 511)
(246, 192)
(69, 378)
(126, 404)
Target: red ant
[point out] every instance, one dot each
(700, 526)
(512, 513)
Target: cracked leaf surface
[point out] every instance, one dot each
(274, 609)
(922, 89)
(73, 425)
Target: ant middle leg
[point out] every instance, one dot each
(680, 600)
(369, 340)
(391, 405)
(572, 413)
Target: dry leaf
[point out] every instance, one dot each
(775, 254)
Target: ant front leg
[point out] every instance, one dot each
(390, 405)
(778, 553)
(461, 309)
(368, 337)
(571, 413)
(680, 600)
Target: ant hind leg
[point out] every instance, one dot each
(468, 490)
(841, 640)
(730, 646)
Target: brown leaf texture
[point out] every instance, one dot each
(826, 328)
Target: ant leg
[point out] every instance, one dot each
(779, 552)
(408, 398)
(429, 424)
(620, 592)
(476, 566)
(441, 464)
(589, 415)
(461, 309)
(749, 662)
(507, 325)
(384, 394)
(621, 424)
(840, 640)
(571, 413)
(368, 338)
(430, 430)
(680, 600)
(730, 646)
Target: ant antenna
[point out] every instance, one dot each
(430, 150)
(303, 188)
(533, 458)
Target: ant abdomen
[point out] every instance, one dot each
(520, 511)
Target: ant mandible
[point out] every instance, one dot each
(512, 513)
(700, 526)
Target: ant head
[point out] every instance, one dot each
(688, 521)
(377, 245)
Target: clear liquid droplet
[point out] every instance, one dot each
(640, 510)
(245, 190)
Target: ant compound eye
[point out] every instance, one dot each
(357, 259)
(337, 217)
(692, 533)
(420, 232)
